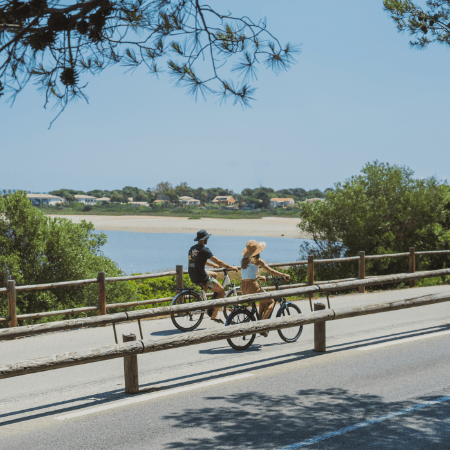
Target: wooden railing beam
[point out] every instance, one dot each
(202, 336)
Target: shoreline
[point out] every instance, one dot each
(265, 226)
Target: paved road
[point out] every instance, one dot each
(382, 384)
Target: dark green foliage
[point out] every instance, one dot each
(383, 210)
(426, 25)
(36, 249)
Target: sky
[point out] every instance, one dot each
(358, 93)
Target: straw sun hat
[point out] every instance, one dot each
(253, 248)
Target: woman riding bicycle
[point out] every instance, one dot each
(250, 264)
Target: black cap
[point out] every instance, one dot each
(202, 234)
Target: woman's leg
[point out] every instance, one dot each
(266, 308)
(253, 287)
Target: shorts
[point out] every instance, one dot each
(209, 283)
(251, 287)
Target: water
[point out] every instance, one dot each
(152, 252)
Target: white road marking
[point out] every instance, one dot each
(402, 341)
(363, 424)
(145, 397)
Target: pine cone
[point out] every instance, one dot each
(424, 29)
(69, 77)
(58, 22)
(37, 5)
(82, 27)
(41, 40)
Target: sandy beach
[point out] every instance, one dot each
(266, 226)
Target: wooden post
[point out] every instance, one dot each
(12, 313)
(362, 270)
(310, 276)
(130, 367)
(101, 278)
(412, 264)
(319, 331)
(179, 270)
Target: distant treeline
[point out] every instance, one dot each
(259, 197)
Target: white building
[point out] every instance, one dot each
(315, 199)
(138, 203)
(86, 199)
(281, 202)
(104, 199)
(189, 201)
(44, 199)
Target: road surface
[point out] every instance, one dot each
(383, 383)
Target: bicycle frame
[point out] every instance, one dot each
(226, 282)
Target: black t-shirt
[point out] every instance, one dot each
(198, 255)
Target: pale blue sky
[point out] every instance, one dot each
(358, 93)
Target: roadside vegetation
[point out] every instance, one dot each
(385, 209)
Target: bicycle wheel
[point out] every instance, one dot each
(293, 333)
(238, 317)
(227, 310)
(187, 320)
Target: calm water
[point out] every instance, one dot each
(152, 252)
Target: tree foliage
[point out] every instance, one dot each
(382, 210)
(36, 249)
(426, 25)
(56, 44)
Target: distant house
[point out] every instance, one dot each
(44, 199)
(315, 199)
(189, 201)
(161, 202)
(281, 202)
(130, 199)
(224, 200)
(86, 199)
(139, 203)
(104, 199)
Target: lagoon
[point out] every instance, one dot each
(152, 252)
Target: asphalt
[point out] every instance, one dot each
(359, 394)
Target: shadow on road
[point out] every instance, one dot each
(325, 419)
(387, 338)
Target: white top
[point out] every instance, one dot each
(250, 272)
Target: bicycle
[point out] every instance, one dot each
(189, 321)
(242, 314)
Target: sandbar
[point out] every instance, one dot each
(267, 226)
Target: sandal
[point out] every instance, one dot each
(217, 320)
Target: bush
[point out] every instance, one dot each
(36, 249)
(383, 210)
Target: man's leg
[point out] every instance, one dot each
(216, 287)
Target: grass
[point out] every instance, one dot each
(114, 209)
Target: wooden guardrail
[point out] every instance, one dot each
(198, 337)
(89, 322)
(102, 307)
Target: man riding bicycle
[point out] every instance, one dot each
(199, 257)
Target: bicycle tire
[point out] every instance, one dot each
(187, 321)
(237, 317)
(289, 334)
